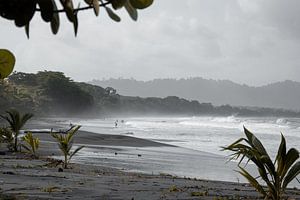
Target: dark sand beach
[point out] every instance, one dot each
(24, 178)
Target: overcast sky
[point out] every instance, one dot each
(246, 41)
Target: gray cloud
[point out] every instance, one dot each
(248, 41)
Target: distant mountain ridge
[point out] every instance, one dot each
(285, 94)
(49, 93)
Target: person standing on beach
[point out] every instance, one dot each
(116, 123)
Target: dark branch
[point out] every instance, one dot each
(79, 9)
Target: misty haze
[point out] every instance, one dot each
(285, 94)
(150, 99)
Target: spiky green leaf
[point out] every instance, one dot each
(281, 155)
(252, 181)
(293, 173)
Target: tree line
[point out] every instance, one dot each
(52, 93)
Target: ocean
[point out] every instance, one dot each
(200, 140)
(206, 134)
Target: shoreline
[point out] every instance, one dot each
(32, 179)
(24, 178)
(133, 154)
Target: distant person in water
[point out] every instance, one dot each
(116, 123)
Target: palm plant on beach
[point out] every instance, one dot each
(276, 175)
(16, 121)
(6, 136)
(32, 144)
(65, 143)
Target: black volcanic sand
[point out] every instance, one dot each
(24, 178)
(95, 141)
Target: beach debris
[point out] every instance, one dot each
(174, 188)
(129, 133)
(7, 196)
(9, 173)
(166, 175)
(50, 189)
(7, 136)
(139, 155)
(199, 194)
(53, 162)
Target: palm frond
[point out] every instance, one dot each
(65, 143)
(76, 151)
(293, 173)
(277, 175)
(32, 143)
(16, 121)
(252, 181)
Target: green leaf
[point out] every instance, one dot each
(27, 11)
(65, 142)
(291, 157)
(27, 148)
(89, 2)
(46, 7)
(69, 9)
(252, 181)
(233, 145)
(96, 7)
(74, 152)
(112, 15)
(7, 63)
(255, 142)
(32, 142)
(249, 135)
(141, 4)
(266, 161)
(27, 30)
(117, 4)
(131, 11)
(281, 155)
(75, 23)
(95, 4)
(293, 173)
(55, 20)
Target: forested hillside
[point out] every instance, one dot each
(44, 93)
(49, 93)
(284, 94)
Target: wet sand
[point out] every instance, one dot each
(25, 178)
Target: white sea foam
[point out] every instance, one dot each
(206, 134)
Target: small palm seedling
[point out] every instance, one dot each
(276, 175)
(32, 144)
(6, 136)
(16, 122)
(65, 143)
